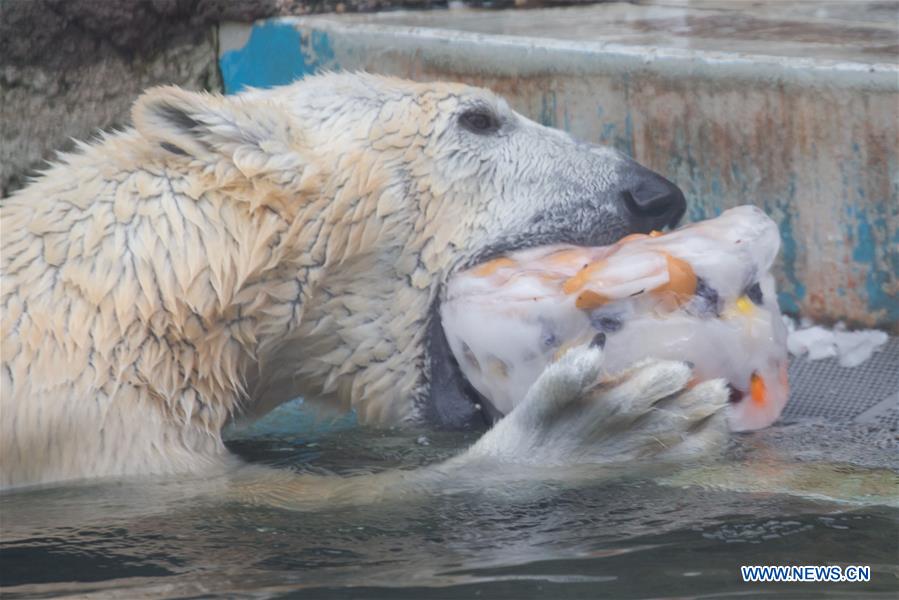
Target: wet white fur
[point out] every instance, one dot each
(230, 253)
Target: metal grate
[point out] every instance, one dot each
(868, 393)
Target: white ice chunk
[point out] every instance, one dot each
(817, 341)
(702, 294)
(851, 348)
(855, 347)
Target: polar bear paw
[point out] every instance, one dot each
(572, 415)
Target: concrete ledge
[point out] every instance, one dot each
(801, 128)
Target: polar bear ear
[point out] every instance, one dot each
(252, 132)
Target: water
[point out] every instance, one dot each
(626, 538)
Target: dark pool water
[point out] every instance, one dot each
(624, 538)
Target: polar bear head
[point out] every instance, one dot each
(386, 188)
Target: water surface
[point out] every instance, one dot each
(625, 538)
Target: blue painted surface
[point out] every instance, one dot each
(790, 297)
(293, 420)
(629, 134)
(275, 54)
(872, 247)
(548, 109)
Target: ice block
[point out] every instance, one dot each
(702, 293)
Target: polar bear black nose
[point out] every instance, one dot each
(653, 202)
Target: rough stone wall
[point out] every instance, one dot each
(69, 68)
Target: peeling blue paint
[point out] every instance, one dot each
(717, 192)
(864, 249)
(696, 212)
(869, 235)
(878, 298)
(607, 133)
(629, 133)
(275, 54)
(789, 298)
(548, 109)
(791, 291)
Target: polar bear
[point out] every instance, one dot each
(227, 254)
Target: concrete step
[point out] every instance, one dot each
(791, 106)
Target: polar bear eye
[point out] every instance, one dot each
(480, 121)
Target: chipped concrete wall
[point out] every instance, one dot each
(813, 142)
(41, 110)
(70, 68)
